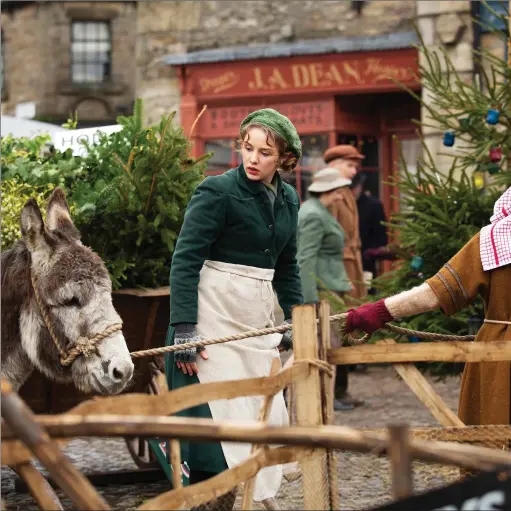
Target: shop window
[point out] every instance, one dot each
(225, 157)
(91, 52)
(224, 154)
(313, 148)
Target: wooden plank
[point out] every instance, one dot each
(264, 413)
(21, 419)
(197, 494)
(309, 410)
(324, 437)
(400, 462)
(38, 486)
(327, 391)
(453, 351)
(175, 463)
(426, 393)
(168, 403)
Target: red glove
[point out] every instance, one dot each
(368, 317)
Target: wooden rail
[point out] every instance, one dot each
(326, 437)
(455, 351)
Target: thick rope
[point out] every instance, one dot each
(200, 344)
(320, 364)
(284, 328)
(87, 347)
(46, 318)
(84, 346)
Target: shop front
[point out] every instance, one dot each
(331, 98)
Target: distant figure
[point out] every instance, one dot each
(373, 234)
(346, 159)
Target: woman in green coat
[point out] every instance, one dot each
(237, 245)
(320, 249)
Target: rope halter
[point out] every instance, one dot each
(84, 346)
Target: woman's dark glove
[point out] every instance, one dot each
(286, 343)
(186, 332)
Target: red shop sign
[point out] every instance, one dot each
(302, 75)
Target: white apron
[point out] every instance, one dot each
(234, 299)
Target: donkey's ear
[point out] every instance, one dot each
(32, 226)
(58, 216)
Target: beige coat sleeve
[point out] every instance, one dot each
(461, 280)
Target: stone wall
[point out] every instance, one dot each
(445, 26)
(177, 27)
(37, 48)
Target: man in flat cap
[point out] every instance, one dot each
(346, 159)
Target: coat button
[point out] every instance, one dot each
(270, 227)
(267, 251)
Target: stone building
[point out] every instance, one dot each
(59, 58)
(323, 63)
(330, 65)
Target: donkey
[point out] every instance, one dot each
(56, 293)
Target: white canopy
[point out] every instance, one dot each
(19, 127)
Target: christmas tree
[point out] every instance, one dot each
(441, 209)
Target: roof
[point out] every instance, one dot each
(309, 47)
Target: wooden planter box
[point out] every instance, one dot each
(146, 315)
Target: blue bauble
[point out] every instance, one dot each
(449, 139)
(492, 117)
(417, 263)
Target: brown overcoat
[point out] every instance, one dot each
(485, 387)
(346, 212)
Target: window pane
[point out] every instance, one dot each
(222, 153)
(313, 148)
(79, 30)
(103, 32)
(91, 50)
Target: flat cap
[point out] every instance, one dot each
(346, 151)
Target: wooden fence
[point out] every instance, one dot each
(311, 442)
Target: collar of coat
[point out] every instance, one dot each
(257, 187)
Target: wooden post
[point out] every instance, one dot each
(400, 462)
(426, 393)
(38, 486)
(175, 463)
(309, 410)
(21, 419)
(327, 390)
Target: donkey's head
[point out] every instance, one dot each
(71, 302)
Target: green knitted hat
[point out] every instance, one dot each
(280, 124)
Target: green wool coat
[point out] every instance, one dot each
(320, 249)
(230, 219)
